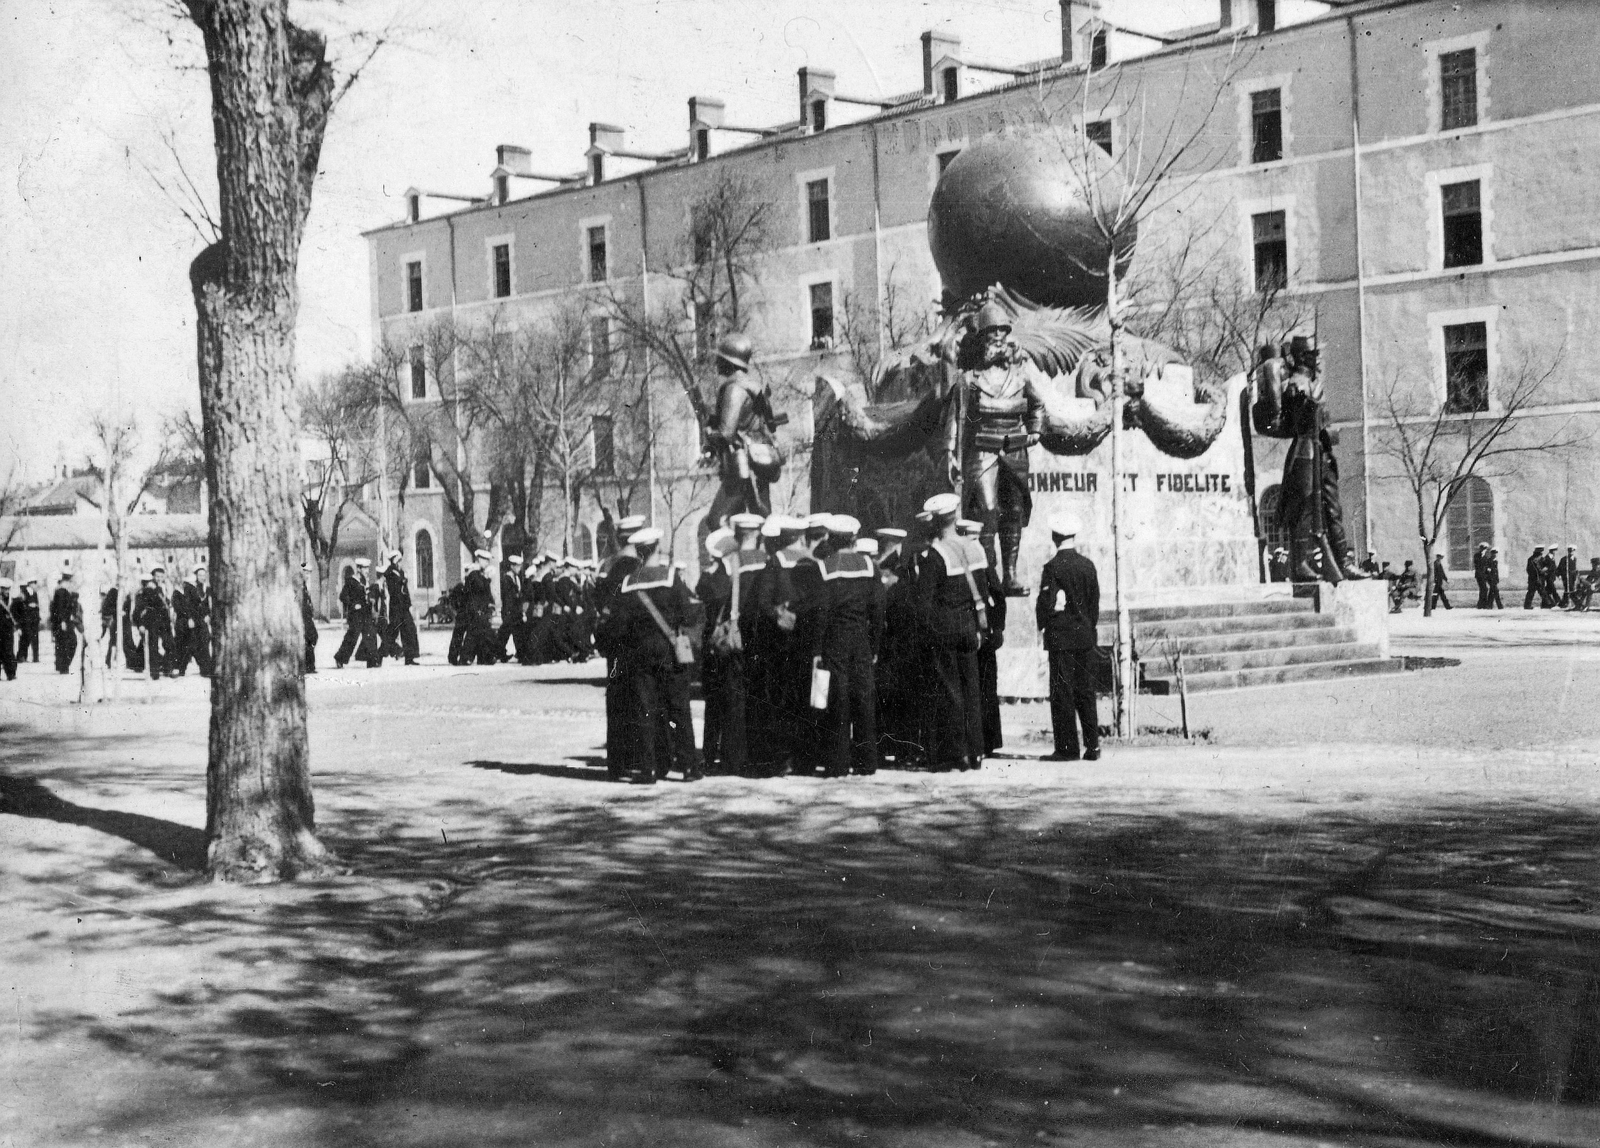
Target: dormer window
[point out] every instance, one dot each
(502, 188)
(702, 143)
(952, 85)
(597, 168)
(819, 115)
(413, 207)
(1099, 50)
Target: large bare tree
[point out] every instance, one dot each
(273, 88)
(1436, 444)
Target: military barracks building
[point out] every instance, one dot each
(1418, 175)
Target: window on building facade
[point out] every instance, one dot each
(1466, 367)
(414, 285)
(1266, 125)
(421, 471)
(424, 557)
(1463, 223)
(702, 143)
(502, 188)
(1266, 15)
(1099, 134)
(951, 78)
(419, 374)
(821, 316)
(603, 433)
(819, 115)
(818, 226)
(1099, 50)
(502, 270)
(413, 208)
(597, 254)
(600, 346)
(1468, 520)
(1270, 234)
(1458, 89)
(597, 168)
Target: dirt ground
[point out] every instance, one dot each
(1358, 912)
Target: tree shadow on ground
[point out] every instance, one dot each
(593, 769)
(722, 969)
(179, 845)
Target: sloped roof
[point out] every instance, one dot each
(62, 495)
(86, 531)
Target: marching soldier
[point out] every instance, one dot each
(1567, 572)
(378, 599)
(400, 640)
(1068, 612)
(1491, 580)
(953, 618)
(152, 613)
(25, 610)
(478, 597)
(646, 626)
(308, 619)
(848, 630)
(512, 607)
(66, 619)
(8, 633)
(192, 609)
(359, 639)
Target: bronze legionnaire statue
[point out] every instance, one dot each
(748, 460)
(1289, 404)
(995, 415)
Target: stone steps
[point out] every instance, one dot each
(1277, 675)
(1246, 642)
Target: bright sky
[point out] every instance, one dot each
(94, 300)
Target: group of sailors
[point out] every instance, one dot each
(822, 651)
(547, 611)
(164, 628)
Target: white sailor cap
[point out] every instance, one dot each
(746, 521)
(944, 505)
(720, 542)
(844, 524)
(969, 526)
(890, 533)
(628, 523)
(396, 555)
(361, 562)
(1064, 526)
(866, 545)
(482, 555)
(158, 570)
(817, 522)
(646, 536)
(514, 559)
(5, 583)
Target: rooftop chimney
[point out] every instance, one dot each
(516, 160)
(936, 46)
(1074, 15)
(816, 93)
(603, 139)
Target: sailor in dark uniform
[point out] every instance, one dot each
(8, 633)
(648, 619)
(25, 612)
(1068, 611)
(66, 619)
(953, 617)
(770, 649)
(847, 630)
(308, 619)
(988, 653)
(478, 600)
(513, 630)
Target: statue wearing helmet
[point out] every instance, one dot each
(748, 459)
(995, 415)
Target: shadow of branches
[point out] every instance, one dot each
(912, 973)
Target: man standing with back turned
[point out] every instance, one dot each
(1067, 612)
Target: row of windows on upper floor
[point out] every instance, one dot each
(1458, 77)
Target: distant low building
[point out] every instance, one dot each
(42, 546)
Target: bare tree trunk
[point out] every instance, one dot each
(1427, 577)
(271, 90)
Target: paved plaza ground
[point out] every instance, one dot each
(1350, 912)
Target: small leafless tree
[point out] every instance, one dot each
(1158, 162)
(1436, 445)
(866, 329)
(336, 414)
(709, 291)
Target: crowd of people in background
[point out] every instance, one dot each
(1555, 581)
